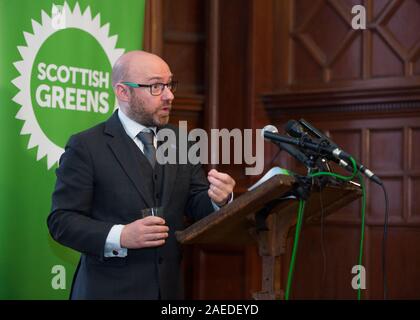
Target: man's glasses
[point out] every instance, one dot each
(156, 89)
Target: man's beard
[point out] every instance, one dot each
(138, 113)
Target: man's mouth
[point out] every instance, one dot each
(166, 110)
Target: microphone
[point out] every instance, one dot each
(267, 133)
(317, 133)
(295, 129)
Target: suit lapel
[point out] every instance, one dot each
(126, 156)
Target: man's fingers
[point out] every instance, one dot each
(212, 171)
(153, 220)
(218, 192)
(215, 197)
(222, 180)
(220, 176)
(155, 229)
(219, 184)
(155, 236)
(140, 235)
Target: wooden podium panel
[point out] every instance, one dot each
(263, 216)
(235, 222)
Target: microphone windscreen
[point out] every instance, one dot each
(294, 128)
(268, 128)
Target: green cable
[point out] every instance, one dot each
(339, 176)
(300, 219)
(295, 245)
(362, 232)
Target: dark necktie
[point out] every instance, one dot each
(148, 147)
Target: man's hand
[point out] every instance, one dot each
(221, 187)
(147, 232)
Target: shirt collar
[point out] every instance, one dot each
(131, 127)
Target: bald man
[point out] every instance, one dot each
(109, 174)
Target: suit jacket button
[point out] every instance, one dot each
(160, 260)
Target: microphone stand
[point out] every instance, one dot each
(303, 185)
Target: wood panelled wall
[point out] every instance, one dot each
(207, 50)
(361, 87)
(247, 63)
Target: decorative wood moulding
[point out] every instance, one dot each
(189, 102)
(393, 100)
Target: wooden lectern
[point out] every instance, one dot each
(263, 216)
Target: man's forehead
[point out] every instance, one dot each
(149, 75)
(151, 70)
(159, 76)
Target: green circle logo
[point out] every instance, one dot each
(70, 93)
(65, 78)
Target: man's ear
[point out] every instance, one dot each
(122, 92)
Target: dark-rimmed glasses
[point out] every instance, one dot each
(156, 89)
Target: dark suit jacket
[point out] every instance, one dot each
(100, 183)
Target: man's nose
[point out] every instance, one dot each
(167, 94)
